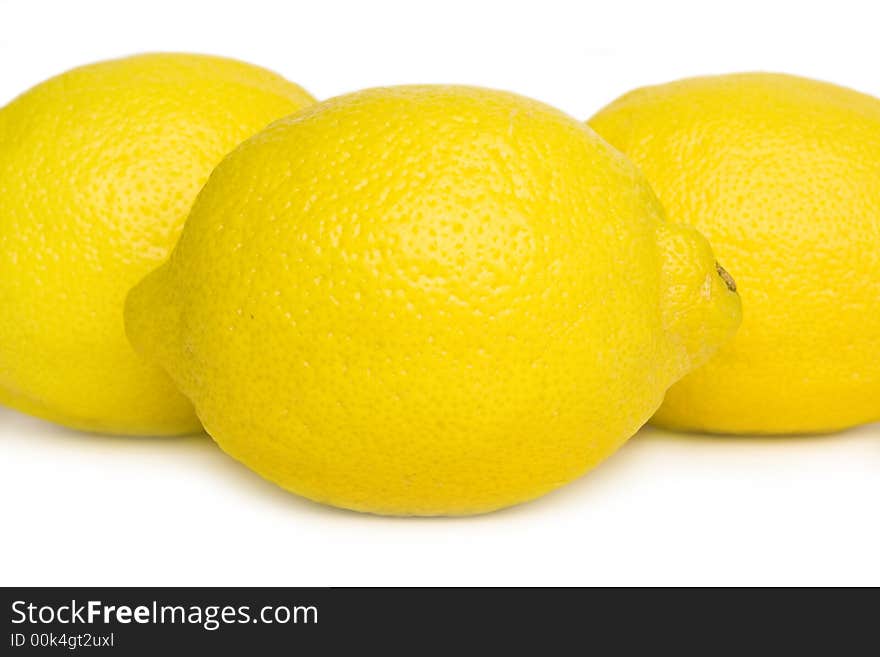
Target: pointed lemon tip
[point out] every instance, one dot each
(148, 314)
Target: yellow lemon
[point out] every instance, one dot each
(782, 174)
(98, 169)
(428, 300)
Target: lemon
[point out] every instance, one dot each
(781, 174)
(428, 300)
(98, 169)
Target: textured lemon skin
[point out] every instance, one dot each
(781, 174)
(423, 300)
(98, 169)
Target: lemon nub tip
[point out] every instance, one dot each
(726, 277)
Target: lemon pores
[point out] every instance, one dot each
(781, 174)
(428, 300)
(98, 169)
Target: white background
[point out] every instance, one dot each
(667, 509)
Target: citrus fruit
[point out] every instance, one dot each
(98, 169)
(781, 174)
(428, 300)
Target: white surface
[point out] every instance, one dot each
(667, 509)
(80, 509)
